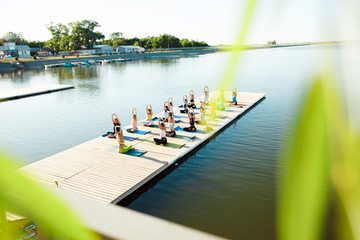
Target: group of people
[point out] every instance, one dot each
(187, 108)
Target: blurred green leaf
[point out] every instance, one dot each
(304, 174)
(346, 179)
(231, 67)
(21, 195)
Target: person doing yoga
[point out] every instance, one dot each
(234, 95)
(134, 126)
(171, 104)
(202, 116)
(120, 138)
(191, 116)
(172, 132)
(206, 95)
(162, 140)
(116, 122)
(166, 111)
(192, 100)
(185, 106)
(149, 113)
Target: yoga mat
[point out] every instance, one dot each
(189, 139)
(209, 124)
(216, 116)
(132, 152)
(126, 138)
(176, 120)
(182, 130)
(141, 132)
(171, 145)
(152, 126)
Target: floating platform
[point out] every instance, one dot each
(32, 91)
(95, 168)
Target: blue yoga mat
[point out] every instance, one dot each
(126, 138)
(176, 120)
(141, 132)
(133, 152)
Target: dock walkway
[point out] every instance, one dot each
(95, 169)
(32, 91)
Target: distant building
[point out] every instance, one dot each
(23, 51)
(85, 52)
(130, 49)
(11, 49)
(42, 52)
(103, 49)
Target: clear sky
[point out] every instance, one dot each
(212, 21)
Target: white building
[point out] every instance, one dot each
(11, 49)
(130, 49)
(23, 51)
(103, 49)
(85, 52)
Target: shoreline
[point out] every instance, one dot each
(6, 67)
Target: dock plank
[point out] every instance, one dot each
(32, 91)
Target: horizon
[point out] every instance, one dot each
(213, 23)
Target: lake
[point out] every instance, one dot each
(228, 187)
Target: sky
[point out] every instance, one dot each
(215, 22)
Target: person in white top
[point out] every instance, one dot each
(134, 126)
(162, 140)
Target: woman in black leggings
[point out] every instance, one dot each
(191, 116)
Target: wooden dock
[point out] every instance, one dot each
(95, 169)
(32, 91)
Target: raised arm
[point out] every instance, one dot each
(206, 89)
(112, 117)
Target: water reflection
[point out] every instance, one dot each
(161, 61)
(12, 75)
(86, 72)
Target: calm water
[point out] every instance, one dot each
(228, 188)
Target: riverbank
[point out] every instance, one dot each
(33, 64)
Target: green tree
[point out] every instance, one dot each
(116, 35)
(74, 36)
(60, 37)
(83, 34)
(13, 37)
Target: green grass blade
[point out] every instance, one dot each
(304, 173)
(21, 195)
(230, 71)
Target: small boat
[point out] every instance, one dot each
(91, 62)
(68, 64)
(18, 64)
(120, 60)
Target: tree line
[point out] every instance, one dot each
(83, 34)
